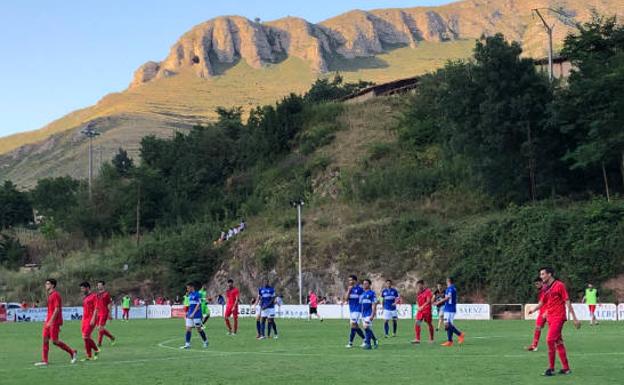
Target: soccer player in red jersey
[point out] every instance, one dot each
(540, 322)
(89, 317)
(425, 300)
(104, 304)
(231, 308)
(556, 300)
(53, 323)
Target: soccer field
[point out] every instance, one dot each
(310, 353)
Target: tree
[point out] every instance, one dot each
(122, 162)
(15, 207)
(55, 197)
(492, 112)
(325, 90)
(12, 252)
(591, 108)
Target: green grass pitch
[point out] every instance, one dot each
(310, 353)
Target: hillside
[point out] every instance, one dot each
(232, 61)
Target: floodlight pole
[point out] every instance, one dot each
(90, 132)
(298, 204)
(549, 31)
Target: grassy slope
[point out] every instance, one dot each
(339, 235)
(161, 106)
(311, 353)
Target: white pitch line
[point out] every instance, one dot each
(100, 363)
(426, 354)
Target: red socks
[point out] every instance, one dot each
(90, 346)
(417, 329)
(46, 350)
(563, 356)
(430, 331)
(235, 325)
(103, 332)
(227, 323)
(536, 337)
(553, 349)
(63, 346)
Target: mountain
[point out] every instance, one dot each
(233, 61)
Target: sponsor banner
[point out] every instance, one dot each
(473, 311)
(246, 311)
(39, 314)
(139, 312)
(216, 310)
(604, 312)
(283, 311)
(3, 313)
(292, 311)
(333, 311)
(158, 311)
(10, 317)
(620, 310)
(177, 311)
(404, 311)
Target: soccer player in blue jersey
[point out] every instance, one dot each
(266, 298)
(194, 316)
(450, 308)
(354, 291)
(390, 297)
(368, 300)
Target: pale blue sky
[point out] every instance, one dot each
(58, 56)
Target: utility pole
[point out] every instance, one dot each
(138, 215)
(298, 204)
(90, 132)
(549, 31)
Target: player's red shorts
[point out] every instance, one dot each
(101, 320)
(555, 327)
(424, 316)
(87, 329)
(592, 309)
(540, 321)
(51, 332)
(231, 311)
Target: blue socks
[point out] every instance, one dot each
(360, 332)
(203, 335)
(272, 323)
(394, 326)
(258, 328)
(450, 331)
(387, 328)
(369, 336)
(187, 337)
(263, 327)
(352, 335)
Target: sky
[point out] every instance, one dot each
(58, 56)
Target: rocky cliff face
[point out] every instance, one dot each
(227, 40)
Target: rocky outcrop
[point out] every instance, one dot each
(227, 40)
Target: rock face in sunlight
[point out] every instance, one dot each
(232, 61)
(226, 40)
